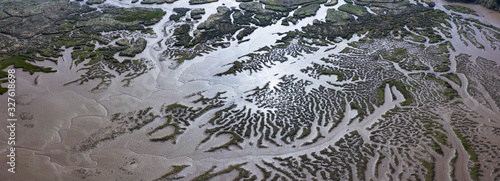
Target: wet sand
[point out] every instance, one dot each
(72, 113)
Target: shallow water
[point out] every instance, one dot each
(76, 112)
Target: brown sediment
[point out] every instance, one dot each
(487, 15)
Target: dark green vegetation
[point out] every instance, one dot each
(430, 170)
(467, 146)
(491, 4)
(401, 88)
(196, 13)
(460, 9)
(339, 23)
(180, 116)
(410, 62)
(21, 62)
(488, 77)
(201, 1)
(379, 161)
(140, 15)
(288, 111)
(331, 3)
(417, 38)
(482, 74)
(268, 55)
(436, 148)
(174, 106)
(474, 173)
(395, 55)
(353, 9)
(306, 11)
(453, 161)
(235, 139)
(121, 123)
(28, 32)
(154, 1)
(338, 17)
(262, 17)
(179, 12)
(284, 124)
(377, 2)
(210, 35)
(276, 53)
(280, 8)
(364, 60)
(291, 3)
(417, 18)
(134, 48)
(182, 35)
(414, 120)
(330, 163)
(242, 173)
(408, 127)
(338, 74)
(90, 2)
(305, 133)
(169, 136)
(294, 112)
(449, 91)
(171, 175)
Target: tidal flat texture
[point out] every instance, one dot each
(251, 90)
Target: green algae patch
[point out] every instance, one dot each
(430, 170)
(201, 1)
(332, 3)
(401, 88)
(242, 173)
(234, 141)
(173, 106)
(306, 11)
(19, 61)
(147, 16)
(453, 77)
(467, 146)
(460, 9)
(90, 2)
(338, 17)
(353, 9)
(339, 75)
(290, 3)
(169, 175)
(135, 48)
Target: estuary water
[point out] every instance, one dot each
(67, 114)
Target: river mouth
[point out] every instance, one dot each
(367, 107)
